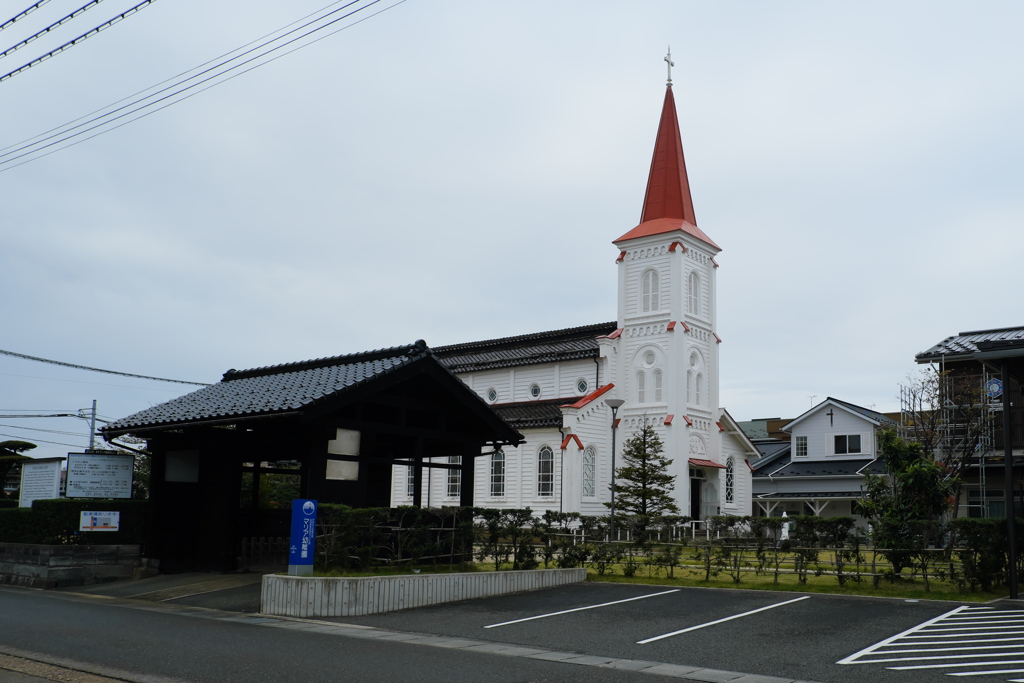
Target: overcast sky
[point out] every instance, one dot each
(455, 170)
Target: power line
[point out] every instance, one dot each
(58, 443)
(39, 429)
(23, 14)
(109, 115)
(79, 381)
(39, 147)
(60, 22)
(91, 369)
(71, 43)
(168, 80)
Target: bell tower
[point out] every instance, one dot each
(666, 357)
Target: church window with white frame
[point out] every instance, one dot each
(581, 386)
(498, 474)
(698, 390)
(658, 382)
(454, 477)
(535, 390)
(589, 472)
(730, 481)
(801, 447)
(492, 395)
(694, 306)
(545, 471)
(649, 291)
(410, 481)
(641, 387)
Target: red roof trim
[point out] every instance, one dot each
(571, 437)
(672, 247)
(617, 421)
(714, 261)
(705, 463)
(622, 255)
(685, 326)
(720, 427)
(749, 466)
(660, 226)
(590, 397)
(717, 338)
(689, 422)
(672, 326)
(669, 418)
(615, 334)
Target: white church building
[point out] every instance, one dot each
(660, 357)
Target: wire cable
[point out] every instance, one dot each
(58, 443)
(91, 369)
(23, 14)
(81, 10)
(71, 43)
(182, 90)
(168, 80)
(38, 146)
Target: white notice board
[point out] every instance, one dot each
(40, 480)
(100, 475)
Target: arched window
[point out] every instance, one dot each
(454, 477)
(695, 392)
(730, 480)
(657, 386)
(649, 289)
(694, 293)
(498, 474)
(589, 472)
(545, 471)
(641, 387)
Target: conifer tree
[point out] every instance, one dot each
(643, 486)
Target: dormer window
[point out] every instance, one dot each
(649, 290)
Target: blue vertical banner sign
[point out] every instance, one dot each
(303, 540)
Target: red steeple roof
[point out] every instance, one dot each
(667, 203)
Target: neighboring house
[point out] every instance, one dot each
(970, 412)
(820, 471)
(660, 356)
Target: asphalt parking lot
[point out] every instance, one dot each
(789, 635)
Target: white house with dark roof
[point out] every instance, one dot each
(660, 357)
(821, 470)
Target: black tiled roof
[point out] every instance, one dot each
(528, 349)
(533, 414)
(800, 496)
(866, 412)
(816, 468)
(965, 343)
(274, 389)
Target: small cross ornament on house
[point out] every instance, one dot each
(831, 415)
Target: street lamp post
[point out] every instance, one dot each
(614, 404)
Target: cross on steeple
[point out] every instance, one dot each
(668, 59)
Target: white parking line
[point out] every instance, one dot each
(719, 621)
(852, 659)
(580, 609)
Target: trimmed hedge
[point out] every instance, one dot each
(8, 503)
(55, 522)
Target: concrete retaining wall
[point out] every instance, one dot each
(50, 566)
(300, 596)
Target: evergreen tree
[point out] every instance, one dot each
(643, 486)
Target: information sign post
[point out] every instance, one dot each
(300, 554)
